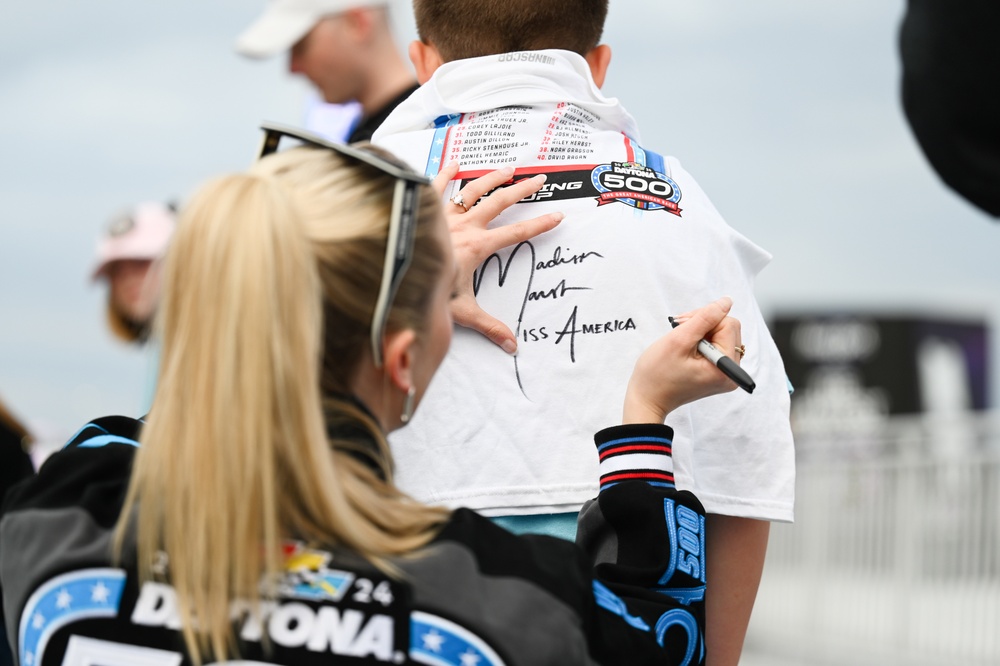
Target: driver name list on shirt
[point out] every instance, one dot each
(495, 137)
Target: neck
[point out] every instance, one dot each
(379, 396)
(388, 78)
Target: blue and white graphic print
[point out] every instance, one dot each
(439, 642)
(439, 143)
(684, 619)
(68, 598)
(97, 437)
(610, 601)
(636, 185)
(686, 529)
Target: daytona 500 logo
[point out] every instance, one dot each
(637, 186)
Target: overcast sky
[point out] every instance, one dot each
(787, 113)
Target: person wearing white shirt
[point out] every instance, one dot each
(517, 83)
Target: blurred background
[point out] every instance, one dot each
(883, 292)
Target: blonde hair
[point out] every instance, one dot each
(269, 288)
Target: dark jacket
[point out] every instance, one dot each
(631, 593)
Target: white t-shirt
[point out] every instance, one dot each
(640, 242)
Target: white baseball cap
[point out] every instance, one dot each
(141, 233)
(285, 22)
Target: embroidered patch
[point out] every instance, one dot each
(440, 642)
(71, 597)
(307, 575)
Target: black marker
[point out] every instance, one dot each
(728, 366)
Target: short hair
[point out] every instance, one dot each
(487, 27)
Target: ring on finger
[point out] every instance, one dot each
(459, 200)
(741, 350)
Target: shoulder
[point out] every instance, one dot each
(554, 565)
(62, 520)
(91, 471)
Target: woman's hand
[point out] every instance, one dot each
(671, 372)
(473, 242)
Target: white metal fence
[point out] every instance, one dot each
(894, 557)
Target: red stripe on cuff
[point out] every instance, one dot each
(652, 448)
(625, 476)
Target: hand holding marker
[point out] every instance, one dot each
(728, 366)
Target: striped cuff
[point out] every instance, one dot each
(636, 452)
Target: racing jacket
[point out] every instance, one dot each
(640, 242)
(632, 592)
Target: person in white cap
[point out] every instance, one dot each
(127, 257)
(344, 47)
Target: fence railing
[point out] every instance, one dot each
(894, 557)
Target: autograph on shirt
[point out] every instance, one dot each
(518, 272)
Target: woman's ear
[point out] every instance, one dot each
(400, 350)
(425, 59)
(599, 58)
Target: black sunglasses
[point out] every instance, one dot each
(402, 223)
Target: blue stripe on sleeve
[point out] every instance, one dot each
(104, 440)
(631, 440)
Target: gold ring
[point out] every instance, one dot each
(741, 350)
(459, 200)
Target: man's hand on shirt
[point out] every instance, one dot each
(473, 241)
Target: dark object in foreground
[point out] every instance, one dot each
(951, 92)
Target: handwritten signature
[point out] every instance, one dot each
(523, 276)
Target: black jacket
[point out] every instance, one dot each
(631, 593)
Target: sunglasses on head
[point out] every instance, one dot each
(402, 221)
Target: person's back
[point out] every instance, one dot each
(463, 601)
(640, 242)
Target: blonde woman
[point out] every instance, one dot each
(306, 307)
